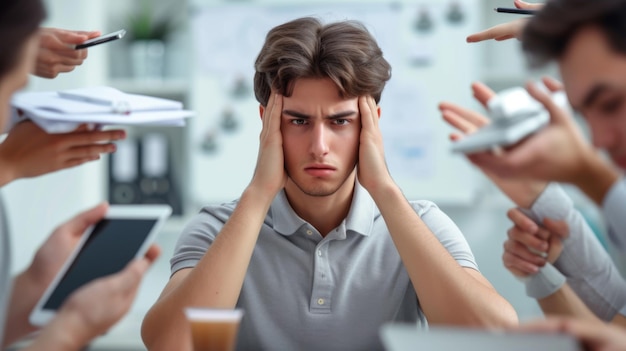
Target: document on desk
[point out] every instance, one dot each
(63, 111)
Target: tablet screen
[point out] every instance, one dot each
(111, 245)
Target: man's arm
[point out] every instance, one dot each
(448, 293)
(589, 269)
(217, 279)
(580, 260)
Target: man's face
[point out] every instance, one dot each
(320, 137)
(595, 81)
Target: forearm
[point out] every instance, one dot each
(64, 333)
(215, 281)
(589, 270)
(596, 178)
(448, 293)
(565, 302)
(21, 303)
(7, 174)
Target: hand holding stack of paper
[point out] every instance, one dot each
(63, 111)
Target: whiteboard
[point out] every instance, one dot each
(425, 45)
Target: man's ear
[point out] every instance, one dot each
(378, 110)
(261, 110)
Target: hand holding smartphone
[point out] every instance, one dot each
(101, 39)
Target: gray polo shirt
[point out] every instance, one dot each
(305, 292)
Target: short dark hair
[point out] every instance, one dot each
(549, 32)
(305, 48)
(19, 19)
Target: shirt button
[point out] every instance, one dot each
(319, 253)
(320, 301)
(309, 232)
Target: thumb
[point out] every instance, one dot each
(552, 84)
(525, 5)
(129, 278)
(557, 115)
(482, 93)
(72, 37)
(82, 221)
(90, 34)
(560, 228)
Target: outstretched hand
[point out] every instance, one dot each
(558, 152)
(29, 151)
(505, 31)
(523, 191)
(56, 51)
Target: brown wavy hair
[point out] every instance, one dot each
(549, 32)
(305, 48)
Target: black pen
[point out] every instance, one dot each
(514, 10)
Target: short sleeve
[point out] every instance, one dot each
(448, 233)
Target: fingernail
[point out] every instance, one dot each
(111, 148)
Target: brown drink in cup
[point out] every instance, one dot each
(213, 329)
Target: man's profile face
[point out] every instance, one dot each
(594, 76)
(320, 133)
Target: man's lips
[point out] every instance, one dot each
(319, 170)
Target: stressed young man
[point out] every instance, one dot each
(322, 248)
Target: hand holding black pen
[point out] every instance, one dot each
(509, 30)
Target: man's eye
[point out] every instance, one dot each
(341, 122)
(298, 121)
(611, 106)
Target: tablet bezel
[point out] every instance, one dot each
(40, 316)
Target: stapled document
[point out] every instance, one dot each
(63, 111)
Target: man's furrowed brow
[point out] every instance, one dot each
(296, 114)
(342, 114)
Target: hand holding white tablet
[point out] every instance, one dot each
(95, 308)
(125, 233)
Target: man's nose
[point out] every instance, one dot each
(603, 134)
(319, 144)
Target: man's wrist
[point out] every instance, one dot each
(7, 175)
(65, 332)
(596, 178)
(545, 282)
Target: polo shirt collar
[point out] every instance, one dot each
(360, 218)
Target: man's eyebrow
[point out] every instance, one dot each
(296, 114)
(341, 114)
(593, 95)
(337, 115)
